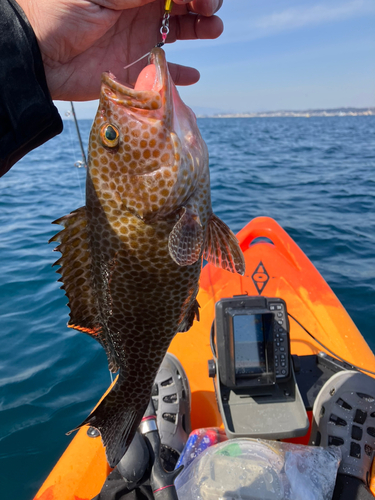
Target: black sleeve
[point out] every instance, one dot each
(28, 117)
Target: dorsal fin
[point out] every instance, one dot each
(75, 273)
(222, 248)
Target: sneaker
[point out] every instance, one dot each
(171, 399)
(344, 416)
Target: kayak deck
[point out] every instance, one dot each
(275, 267)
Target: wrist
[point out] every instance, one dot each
(29, 10)
(42, 25)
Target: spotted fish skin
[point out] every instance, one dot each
(131, 258)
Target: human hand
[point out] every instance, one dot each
(79, 39)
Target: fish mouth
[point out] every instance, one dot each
(151, 89)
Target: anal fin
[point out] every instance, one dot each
(190, 316)
(98, 335)
(186, 239)
(222, 248)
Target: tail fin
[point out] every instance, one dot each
(117, 425)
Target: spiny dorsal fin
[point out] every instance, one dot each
(222, 248)
(186, 239)
(75, 273)
(75, 270)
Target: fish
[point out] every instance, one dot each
(131, 257)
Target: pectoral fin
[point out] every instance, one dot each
(75, 273)
(222, 248)
(186, 239)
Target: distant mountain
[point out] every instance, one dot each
(203, 111)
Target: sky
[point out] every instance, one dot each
(279, 55)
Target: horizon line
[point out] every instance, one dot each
(341, 111)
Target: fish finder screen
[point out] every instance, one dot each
(249, 345)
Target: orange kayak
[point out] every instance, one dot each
(275, 267)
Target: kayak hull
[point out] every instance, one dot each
(275, 267)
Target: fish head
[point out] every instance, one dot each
(146, 153)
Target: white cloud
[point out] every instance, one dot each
(251, 25)
(316, 14)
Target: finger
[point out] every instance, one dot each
(191, 27)
(183, 75)
(203, 7)
(121, 4)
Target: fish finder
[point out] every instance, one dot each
(252, 369)
(252, 339)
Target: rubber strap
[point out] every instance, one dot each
(162, 488)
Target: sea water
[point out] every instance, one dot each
(315, 176)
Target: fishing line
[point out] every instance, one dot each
(329, 350)
(83, 163)
(79, 135)
(135, 62)
(77, 164)
(147, 54)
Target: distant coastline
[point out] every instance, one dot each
(296, 114)
(82, 114)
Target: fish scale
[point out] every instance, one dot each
(132, 257)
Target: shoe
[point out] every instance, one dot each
(171, 399)
(344, 416)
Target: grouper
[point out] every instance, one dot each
(131, 258)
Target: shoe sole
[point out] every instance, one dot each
(344, 416)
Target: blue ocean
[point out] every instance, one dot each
(315, 176)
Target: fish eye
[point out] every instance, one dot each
(109, 135)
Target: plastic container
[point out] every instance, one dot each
(255, 469)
